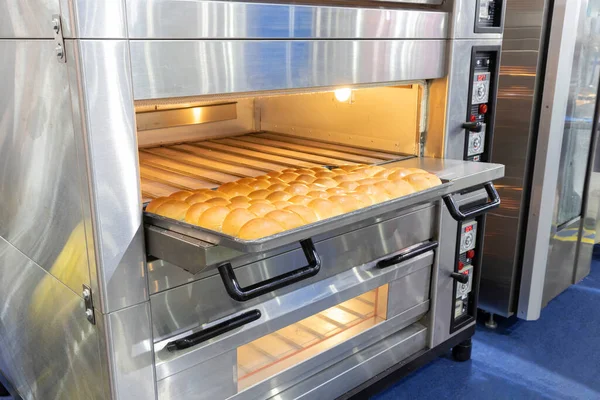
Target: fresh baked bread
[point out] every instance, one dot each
(253, 208)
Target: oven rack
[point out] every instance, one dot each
(211, 163)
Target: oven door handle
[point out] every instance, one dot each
(214, 331)
(461, 216)
(238, 293)
(410, 252)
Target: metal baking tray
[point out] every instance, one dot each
(300, 233)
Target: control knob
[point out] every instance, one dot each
(473, 126)
(460, 278)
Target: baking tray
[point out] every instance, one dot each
(304, 232)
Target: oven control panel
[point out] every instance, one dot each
(489, 16)
(465, 266)
(480, 112)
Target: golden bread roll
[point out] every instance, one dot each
(277, 180)
(259, 201)
(318, 194)
(245, 181)
(396, 188)
(218, 201)
(300, 199)
(417, 171)
(434, 179)
(377, 194)
(278, 196)
(349, 186)
(368, 181)
(195, 211)
(399, 174)
(235, 220)
(325, 174)
(205, 191)
(154, 204)
(261, 209)
(224, 188)
(281, 204)
(324, 208)
(288, 176)
(258, 228)
(239, 199)
(403, 187)
(346, 203)
(369, 171)
(297, 188)
(306, 178)
(235, 206)
(419, 181)
(364, 199)
(263, 177)
(318, 169)
(335, 191)
(259, 194)
(274, 174)
(240, 190)
(260, 184)
(326, 182)
(287, 170)
(306, 171)
(386, 172)
(181, 195)
(213, 218)
(307, 215)
(198, 198)
(278, 186)
(350, 167)
(287, 219)
(175, 209)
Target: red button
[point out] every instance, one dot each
(483, 109)
(461, 265)
(471, 254)
(473, 118)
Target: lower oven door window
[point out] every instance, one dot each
(269, 355)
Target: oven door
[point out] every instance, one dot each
(264, 348)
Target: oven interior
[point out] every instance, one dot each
(196, 143)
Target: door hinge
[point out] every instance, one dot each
(89, 304)
(58, 39)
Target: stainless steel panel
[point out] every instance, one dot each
(48, 349)
(177, 68)
(344, 376)
(448, 101)
(214, 379)
(40, 193)
(130, 353)
(90, 19)
(106, 104)
(406, 293)
(173, 19)
(548, 149)
(514, 130)
(27, 18)
(288, 308)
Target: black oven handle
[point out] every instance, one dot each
(214, 331)
(407, 254)
(461, 216)
(238, 293)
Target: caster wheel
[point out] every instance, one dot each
(462, 351)
(3, 391)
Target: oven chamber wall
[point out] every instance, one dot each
(71, 140)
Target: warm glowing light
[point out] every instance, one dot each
(197, 114)
(343, 94)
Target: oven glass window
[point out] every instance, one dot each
(271, 354)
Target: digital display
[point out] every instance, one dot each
(469, 228)
(481, 78)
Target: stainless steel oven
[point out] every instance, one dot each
(113, 104)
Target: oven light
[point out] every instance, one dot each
(343, 95)
(197, 112)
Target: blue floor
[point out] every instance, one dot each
(556, 357)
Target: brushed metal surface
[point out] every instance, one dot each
(130, 352)
(48, 349)
(542, 218)
(213, 379)
(90, 19)
(291, 307)
(41, 196)
(518, 93)
(178, 68)
(111, 156)
(27, 18)
(359, 367)
(175, 19)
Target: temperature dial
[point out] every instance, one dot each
(468, 236)
(481, 88)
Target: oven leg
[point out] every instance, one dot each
(462, 351)
(490, 323)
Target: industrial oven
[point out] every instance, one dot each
(108, 105)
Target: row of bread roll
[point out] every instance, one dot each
(252, 208)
